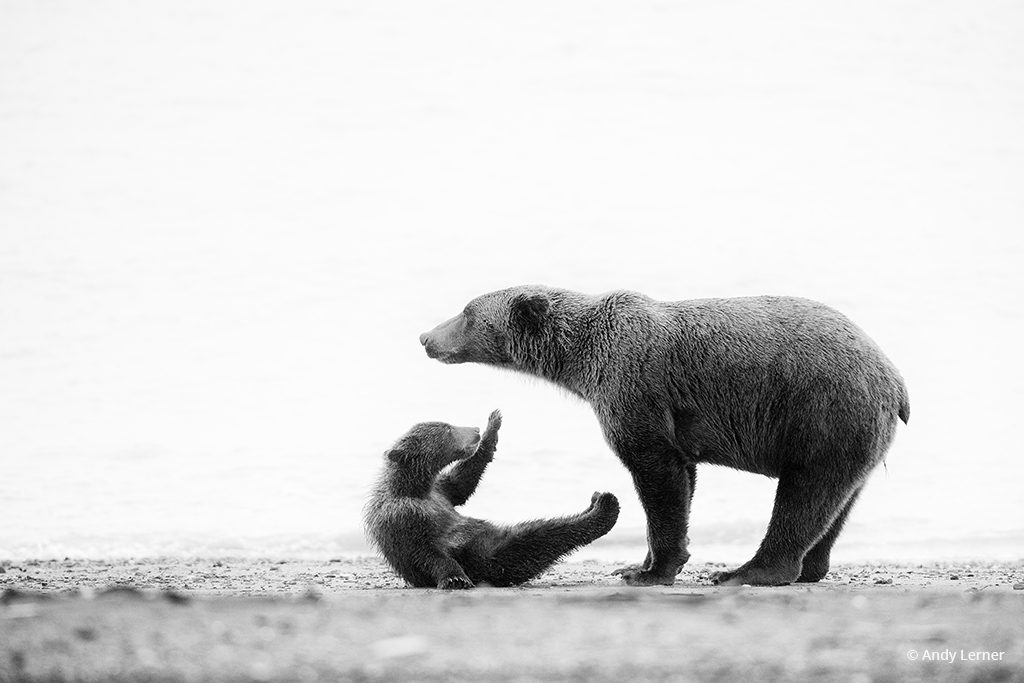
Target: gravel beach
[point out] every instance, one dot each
(351, 619)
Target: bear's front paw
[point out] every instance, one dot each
(645, 577)
(454, 583)
(630, 569)
(633, 568)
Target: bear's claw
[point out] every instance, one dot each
(455, 583)
(629, 569)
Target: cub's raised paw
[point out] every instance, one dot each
(452, 583)
(493, 425)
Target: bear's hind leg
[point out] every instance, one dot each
(531, 547)
(806, 505)
(816, 561)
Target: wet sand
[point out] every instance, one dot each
(204, 619)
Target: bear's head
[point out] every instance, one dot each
(499, 328)
(428, 447)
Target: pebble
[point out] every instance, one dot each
(883, 582)
(1018, 586)
(176, 598)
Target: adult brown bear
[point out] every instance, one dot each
(781, 386)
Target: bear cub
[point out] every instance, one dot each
(411, 516)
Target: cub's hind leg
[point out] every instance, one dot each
(527, 549)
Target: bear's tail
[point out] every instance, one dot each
(904, 411)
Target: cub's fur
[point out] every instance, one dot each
(412, 520)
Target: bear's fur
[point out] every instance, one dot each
(780, 386)
(412, 520)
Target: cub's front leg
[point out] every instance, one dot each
(461, 481)
(447, 573)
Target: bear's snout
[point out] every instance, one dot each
(429, 345)
(449, 342)
(425, 340)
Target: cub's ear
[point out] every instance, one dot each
(529, 311)
(400, 452)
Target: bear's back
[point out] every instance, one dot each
(805, 337)
(763, 371)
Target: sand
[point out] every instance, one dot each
(345, 619)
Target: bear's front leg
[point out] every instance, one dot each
(662, 483)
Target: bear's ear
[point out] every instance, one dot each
(529, 311)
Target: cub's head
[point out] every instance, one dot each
(497, 328)
(430, 446)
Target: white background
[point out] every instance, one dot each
(223, 226)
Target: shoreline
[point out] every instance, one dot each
(243, 576)
(223, 619)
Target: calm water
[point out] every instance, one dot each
(222, 229)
